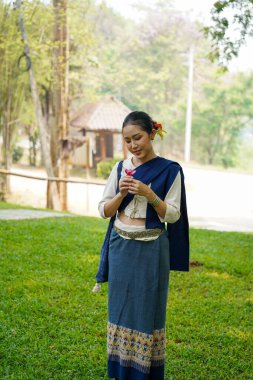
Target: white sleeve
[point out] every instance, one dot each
(173, 200)
(109, 190)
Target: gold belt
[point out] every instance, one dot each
(155, 232)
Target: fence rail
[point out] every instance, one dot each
(87, 197)
(55, 179)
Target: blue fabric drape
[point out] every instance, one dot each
(102, 274)
(161, 173)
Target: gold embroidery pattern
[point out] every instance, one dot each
(134, 348)
(155, 232)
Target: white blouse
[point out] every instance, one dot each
(138, 206)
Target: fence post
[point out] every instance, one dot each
(48, 195)
(2, 191)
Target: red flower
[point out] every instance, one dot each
(130, 171)
(158, 125)
(159, 129)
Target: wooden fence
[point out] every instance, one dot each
(86, 182)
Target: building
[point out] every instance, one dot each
(95, 131)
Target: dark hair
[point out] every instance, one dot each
(142, 119)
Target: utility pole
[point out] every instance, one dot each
(188, 127)
(44, 139)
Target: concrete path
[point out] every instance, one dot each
(15, 214)
(216, 199)
(219, 224)
(238, 224)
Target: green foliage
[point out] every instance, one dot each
(104, 168)
(235, 16)
(39, 21)
(53, 326)
(143, 63)
(219, 118)
(148, 71)
(11, 84)
(17, 153)
(82, 45)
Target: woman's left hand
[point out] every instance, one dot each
(137, 187)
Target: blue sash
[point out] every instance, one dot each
(102, 274)
(161, 173)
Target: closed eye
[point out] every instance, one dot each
(135, 137)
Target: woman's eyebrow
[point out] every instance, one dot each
(127, 137)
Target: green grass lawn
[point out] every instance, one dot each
(12, 206)
(5, 205)
(53, 327)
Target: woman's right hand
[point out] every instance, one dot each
(112, 205)
(124, 185)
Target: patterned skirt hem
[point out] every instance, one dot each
(133, 364)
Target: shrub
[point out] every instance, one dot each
(104, 168)
(17, 153)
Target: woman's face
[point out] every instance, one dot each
(138, 141)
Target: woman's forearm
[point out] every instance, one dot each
(111, 206)
(161, 207)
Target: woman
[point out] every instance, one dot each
(142, 193)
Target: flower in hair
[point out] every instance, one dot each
(159, 129)
(130, 171)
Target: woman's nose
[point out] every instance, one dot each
(134, 145)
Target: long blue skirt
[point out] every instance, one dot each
(138, 291)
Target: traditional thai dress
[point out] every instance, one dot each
(136, 261)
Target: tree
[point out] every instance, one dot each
(219, 119)
(60, 126)
(232, 23)
(38, 111)
(144, 63)
(11, 87)
(51, 87)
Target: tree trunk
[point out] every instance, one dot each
(5, 182)
(60, 130)
(30, 151)
(44, 138)
(34, 151)
(7, 154)
(44, 141)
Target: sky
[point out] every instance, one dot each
(199, 9)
